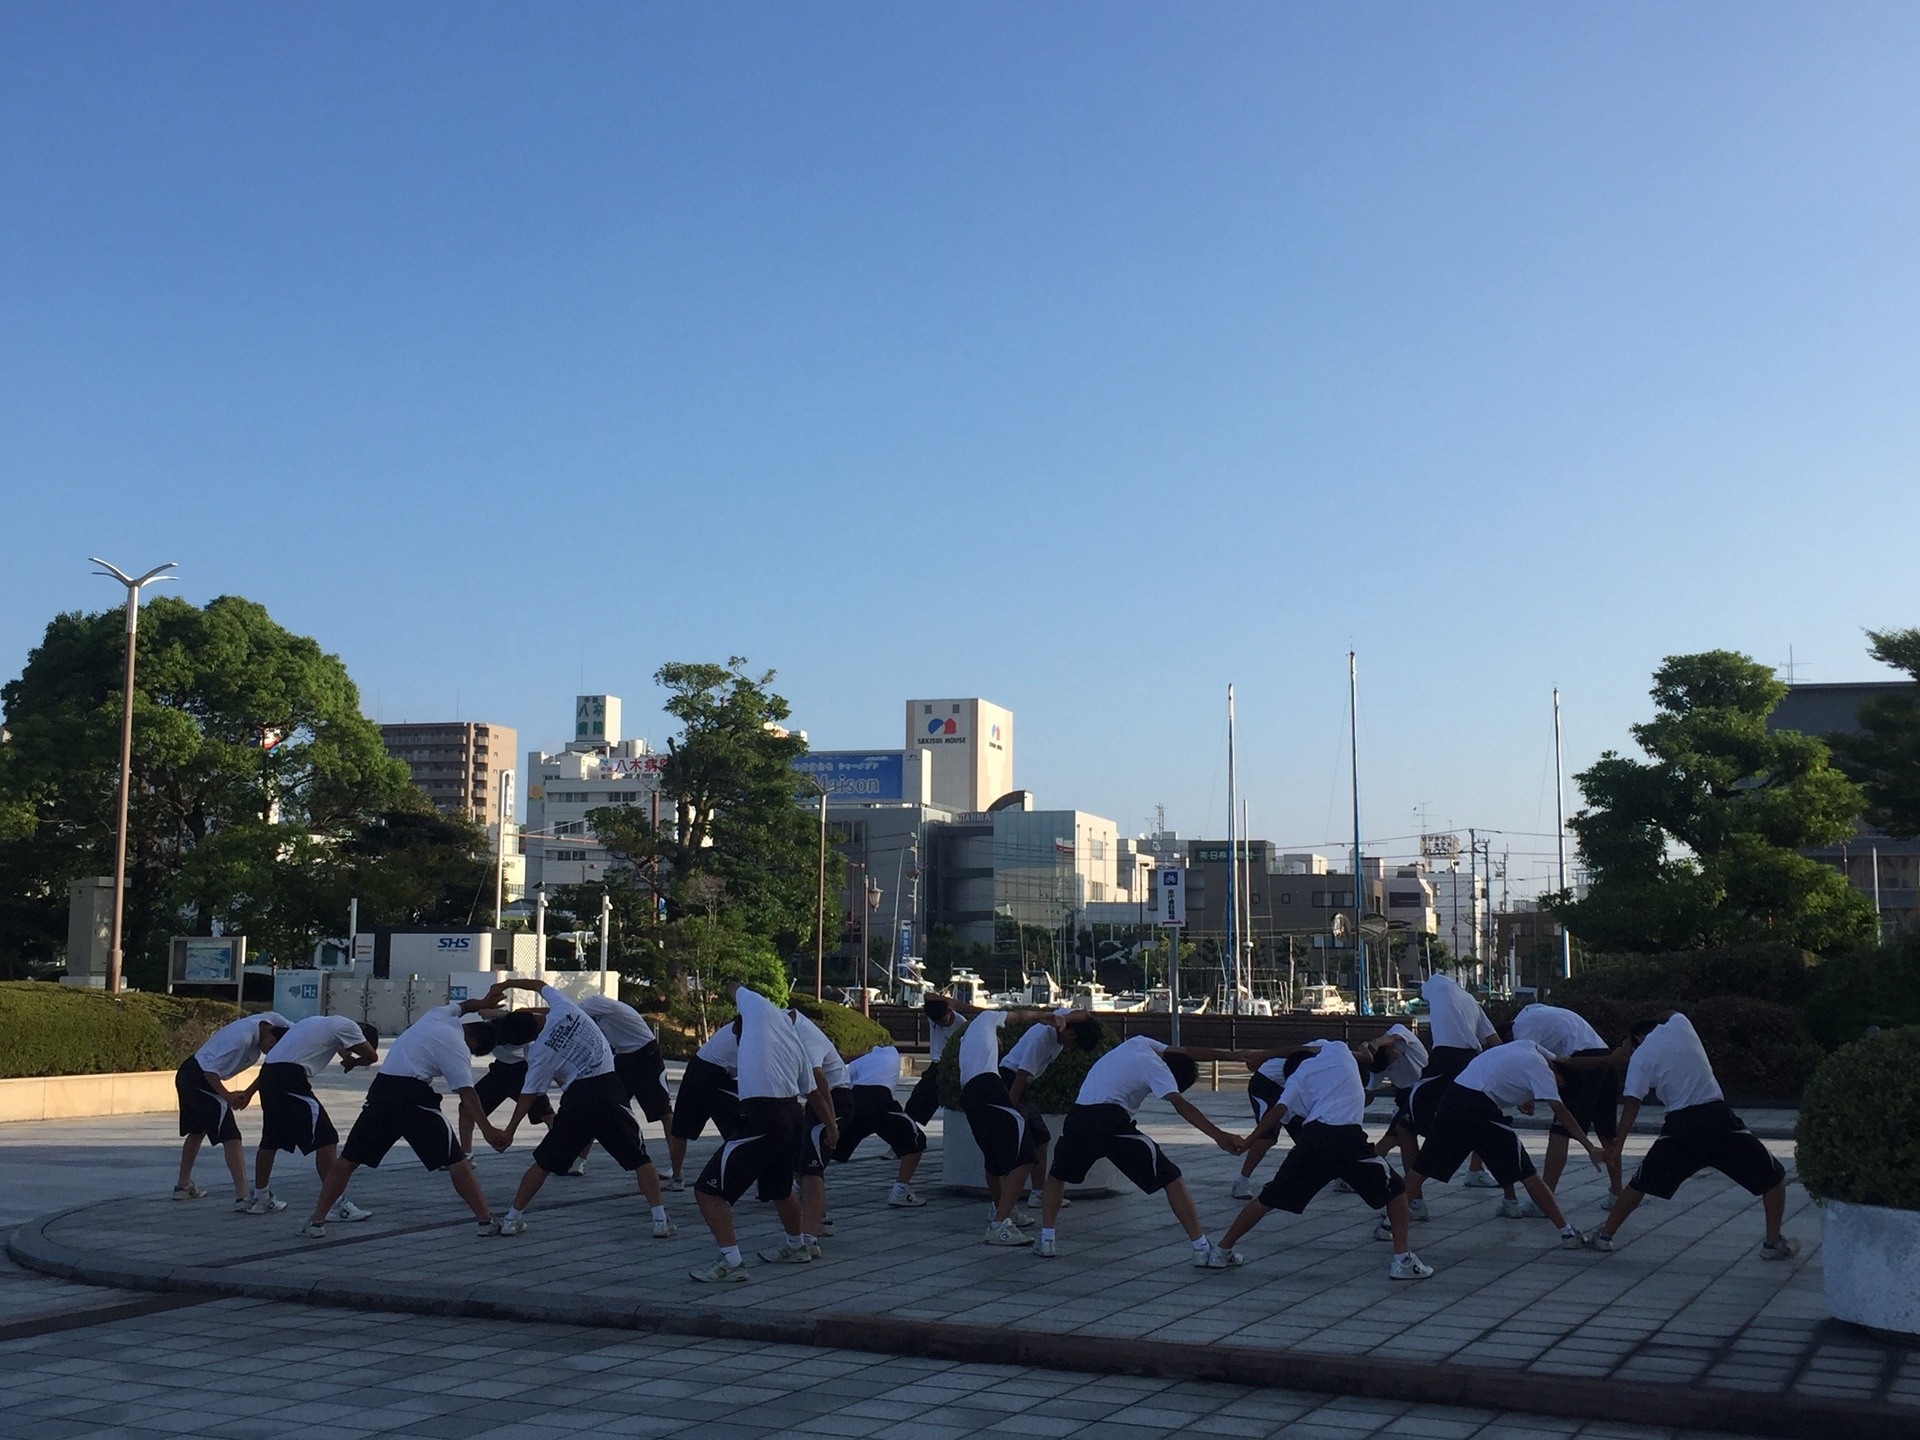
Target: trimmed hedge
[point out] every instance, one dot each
(852, 1033)
(1053, 1090)
(50, 1029)
(1852, 993)
(1858, 1137)
(1777, 973)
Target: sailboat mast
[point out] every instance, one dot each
(1246, 898)
(1233, 864)
(1560, 813)
(1359, 885)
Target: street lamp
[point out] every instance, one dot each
(134, 587)
(820, 896)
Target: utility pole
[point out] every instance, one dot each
(820, 907)
(1560, 813)
(540, 930)
(500, 860)
(1359, 879)
(606, 930)
(134, 586)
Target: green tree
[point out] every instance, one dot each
(1883, 756)
(251, 759)
(1700, 844)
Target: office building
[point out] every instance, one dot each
(597, 768)
(1029, 867)
(970, 743)
(456, 762)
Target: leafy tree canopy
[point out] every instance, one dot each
(1883, 756)
(1699, 845)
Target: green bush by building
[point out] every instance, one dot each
(50, 1029)
(1858, 1136)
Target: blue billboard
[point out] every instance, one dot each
(856, 775)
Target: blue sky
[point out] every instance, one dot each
(1086, 358)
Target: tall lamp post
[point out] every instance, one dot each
(820, 896)
(134, 586)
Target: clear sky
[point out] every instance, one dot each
(1083, 357)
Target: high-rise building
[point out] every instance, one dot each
(456, 762)
(971, 743)
(597, 768)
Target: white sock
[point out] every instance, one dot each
(898, 1186)
(794, 1241)
(730, 1254)
(1202, 1243)
(513, 1212)
(659, 1212)
(1045, 1233)
(806, 1239)
(1401, 1254)
(1566, 1230)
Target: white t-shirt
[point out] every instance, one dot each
(1673, 1063)
(773, 1064)
(1509, 1074)
(312, 1042)
(431, 1048)
(1558, 1032)
(820, 1052)
(505, 1054)
(938, 1035)
(1127, 1075)
(980, 1045)
(722, 1049)
(569, 1046)
(623, 1026)
(1035, 1049)
(1327, 1089)
(879, 1066)
(236, 1045)
(1454, 1017)
(1405, 1070)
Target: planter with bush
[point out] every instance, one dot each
(48, 1029)
(1053, 1091)
(1858, 1152)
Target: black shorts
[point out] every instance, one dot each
(401, 1107)
(1447, 1061)
(202, 1112)
(999, 1128)
(291, 1118)
(593, 1108)
(1324, 1153)
(925, 1098)
(761, 1148)
(707, 1092)
(1468, 1123)
(1593, 1095)
(503, 1082)
(1107, 1132)
(1415, 1107)
(876, 1112)
(1030, 1112)
(644, 1073)
(1703, 1136)
(1263, 1093)
(814, 1154)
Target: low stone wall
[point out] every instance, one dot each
(74, 1097)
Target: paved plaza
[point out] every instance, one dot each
(1684, 1303)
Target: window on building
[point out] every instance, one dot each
(1342, 899)
(1286, 897)
(1319, 899)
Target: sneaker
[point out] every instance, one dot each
(1480, 1180)
(1343, 1187)
(1531, 1211)
(1781, 1249)
(1571, 1240)
(787, 1255)
(189, 1191)
(512, 1225)
(1606, 1201)
(905, 1199)
(240, 1204)
(1241, 1189)
(665, 1229)
(1218, 1259)
(1383, 1229)
(1004, 1232)
(826, 1226)
(1024, 1217)
(1417, 1210)
(1595, 1240)
(1509, 1210)
(721, 1273)
(311, 1231)
(674, 1182)
(1046, 1249)
(261, 1202)
(1035, 1198)
(487, 1229)
(579, 1167)
(814, 1249)
(347, 1210)
(1408, 1267)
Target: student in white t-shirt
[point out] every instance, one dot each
(943, 1023)
(207, 1106)
(708, 1094)
(830, 1072)
(1459, 1029)
(1589, 1083)
(1665, 1058)
(1101, 1126)
(872, 1078)
(1039, 1045)
(291, 1115)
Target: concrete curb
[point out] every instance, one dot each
(1576, 1397)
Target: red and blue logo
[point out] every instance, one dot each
(943, 727)
(995, 734)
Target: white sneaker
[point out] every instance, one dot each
(905, 1199)
(1480, 1180)
(674, 1182)
(240, 1203)
(1417, 1210)
(826, 1226)
(189, 1191)
(1781, 1249)
(347, 1210)
(1531, 1211)
(1383, 1230)
(1408, 1267)
(261, 1202)
(1241, 1189)
(1218, 1259)
(516, 1225)
(311, 1231)
(665, 1229)
(1046, 1249)
(1024, 1217)
(1004, 1232)
(1606, 1201)
(787, 1255)
(721, 1273)
(1035, 1199)
(579, 1167)
(1509, 1210)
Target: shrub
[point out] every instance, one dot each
(1778, 973)
(49, 1029)
(1760, 1051)
(852, 1033)
(1858, 1137)
(1053, 1090)
(1878, 986)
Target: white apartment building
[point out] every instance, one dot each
(597, 768)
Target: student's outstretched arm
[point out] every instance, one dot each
(821, 1100)
(1629, 1112)
(470, 1110)
(1275, 1117)
(354, 1056)
(1199, 1052)
(1190, 1112)
(1578, 1131)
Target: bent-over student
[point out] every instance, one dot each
(829, 1071)
(291, 1115)
(402, 1104)
(506, 1077)
(708, 1092)
(636, 1058)
(1100, 1126)
(942, 1022)
(998, 1126)
(1038, 1046)
(872, 1078)
(1329, 1097)
(1589, 1083)
(207, 1106)
(1459, 1029)
(1700, 1131)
